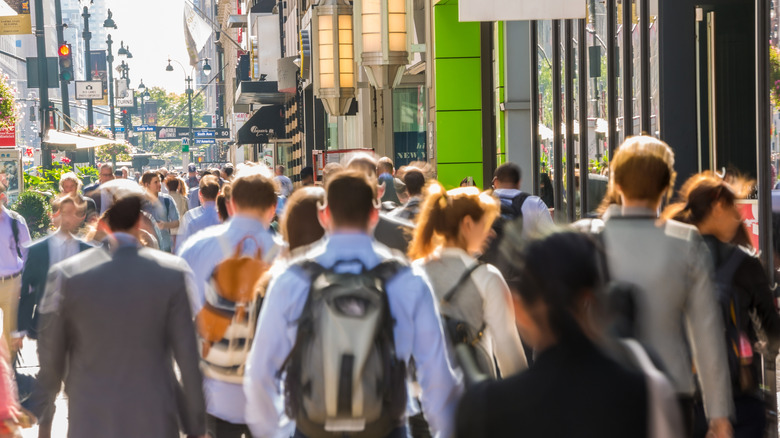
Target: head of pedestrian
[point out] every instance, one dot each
(414, 180)
(385, 165)
(174, 184)
(125, 172)
(460, 218)
(710, 204)
(279, 170)
(557, 293)
(151, 182)
(253, 194)
(642, 172)
(208, 189)
(367, 165)
(300, 224)
(351, 203)
(507, 176)
(227, 171)
(307, 176)
(192, 170)
(69, 183)
(124, 216)
(106, 173)
(68, 213)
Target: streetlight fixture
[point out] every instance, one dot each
(141, 86)
(129, 55)
(333, 54)
(206, 66)
(188, 81)
(382, 28)
(122, 50)
(109, 23)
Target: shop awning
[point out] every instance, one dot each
(71, 141)
(265, 123)
(260, 93)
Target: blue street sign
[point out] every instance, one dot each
(144, 128)
(118, 129)
(205, 133)
(205, 141)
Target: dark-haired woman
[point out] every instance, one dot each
(573, 389)
(452, 228)
(709, 203)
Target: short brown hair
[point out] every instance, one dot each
(300, 225)
(57, 204)
(209, 187)
(148, 176)
(172, 183)
(351, 198)
(253, 191)
(124, 214)
(643, 167)
(363, 162)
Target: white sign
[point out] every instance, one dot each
(126, 102)
(89, 90)
(516, 10)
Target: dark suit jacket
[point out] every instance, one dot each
(115, 319)
(394, 232)
(36, 267)
(572, 391)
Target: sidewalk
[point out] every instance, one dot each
(29, 365)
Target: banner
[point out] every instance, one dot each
(515, 10)
(8, 137)
(11, 173)
(15, 18)
(99, 73)
(196, 32)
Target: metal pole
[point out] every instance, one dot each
(143, 119)
(488, 103)
(557, 137)
(110, 60)
(189, 104)
(88, 61)
(644, 66)
(571, 196)
(43, 79)
(582, 75)
(611, 79)
(763, 124)
(628, 70)
(535, 152)
(63, 84)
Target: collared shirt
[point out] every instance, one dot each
(417, 332)
(193, 200)
(62, 246)
(10, 262)
(285, 185)
(536, 215)
(164, 210)
(223, 400)
(198, 219)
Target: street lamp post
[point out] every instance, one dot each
(88, 61)
(188, 81)
(144, 96)
(110, 59)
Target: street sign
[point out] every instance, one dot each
(126, 102)
(205, 141)
(185, 145)
(118, 129)
(144, 128)
(178, 133)
(89, 90)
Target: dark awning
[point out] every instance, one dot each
(265, 123)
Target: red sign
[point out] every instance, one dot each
(748, 208)
(8, 137)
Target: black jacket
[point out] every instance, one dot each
(571, 391)
(36, 269)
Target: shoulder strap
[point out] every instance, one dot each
(15, 232)
(461, 281)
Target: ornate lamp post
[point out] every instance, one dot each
(383, 28)
(333, 55)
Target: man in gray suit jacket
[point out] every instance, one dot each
(114, 318)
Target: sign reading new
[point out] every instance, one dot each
(516, 10)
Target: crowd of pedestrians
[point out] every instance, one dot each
(233, 303)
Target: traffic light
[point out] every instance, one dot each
(66, 63)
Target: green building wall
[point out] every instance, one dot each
(459, 96)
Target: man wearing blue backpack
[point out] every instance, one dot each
(339, 326)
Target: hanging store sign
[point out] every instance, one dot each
(100, 72)
(8, 137)
(514, 10)
(89, 90)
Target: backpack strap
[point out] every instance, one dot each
(461, 281)
(727, 270)
(15, 231)
(517, 203)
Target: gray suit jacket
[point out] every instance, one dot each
(115, 319)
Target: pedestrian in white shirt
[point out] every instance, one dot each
(14, 236)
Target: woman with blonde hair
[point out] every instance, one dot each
(474, 298)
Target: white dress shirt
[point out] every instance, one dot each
(10, 262)
(61, 247)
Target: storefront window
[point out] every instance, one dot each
(409, 125)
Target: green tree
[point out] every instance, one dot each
(172, 110)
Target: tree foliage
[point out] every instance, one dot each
(172, 110)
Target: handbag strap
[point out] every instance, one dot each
(461, 281)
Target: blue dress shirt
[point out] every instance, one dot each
(418, 333)
(203, 253)
(198, 219)
(10, 262)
